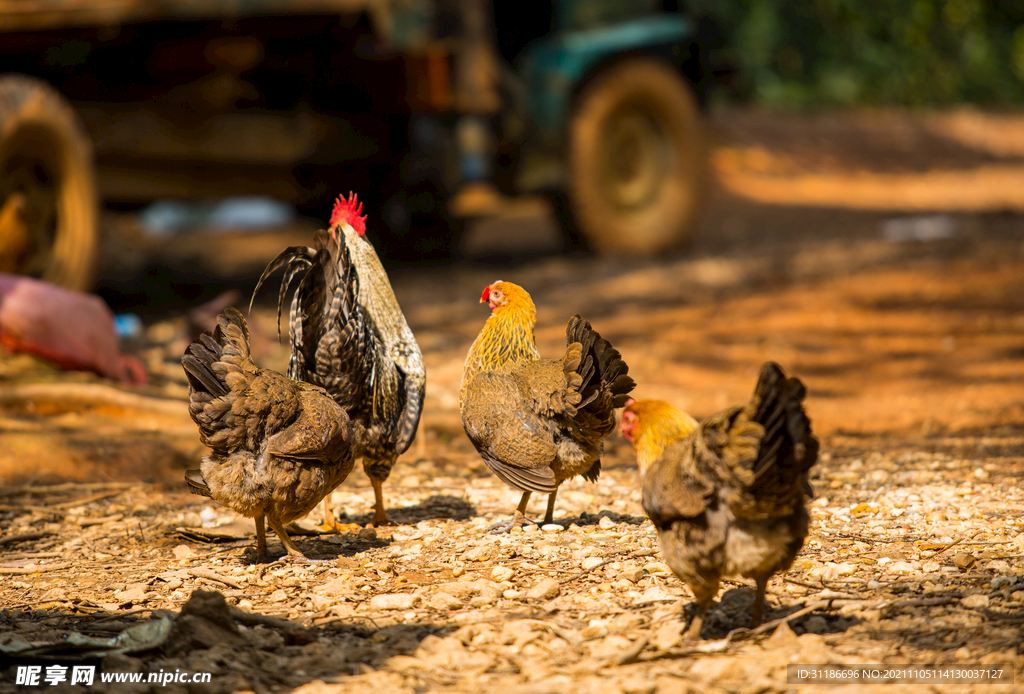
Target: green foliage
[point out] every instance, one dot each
(842, 52)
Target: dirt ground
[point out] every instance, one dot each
(879, 256)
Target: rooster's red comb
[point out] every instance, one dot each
(349, 211)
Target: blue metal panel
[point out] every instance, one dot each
(554, 65)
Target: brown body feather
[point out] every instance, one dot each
(727, 497)
(538, 422)
(277, 446)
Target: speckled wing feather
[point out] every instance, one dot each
(389, 326)
(674, 487)
(516, 443)
(239, 406)
(755, 458)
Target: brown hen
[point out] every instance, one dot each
(727, 496)
(538, 422)
(277, 446)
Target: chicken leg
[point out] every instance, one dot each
(703, 603)
(519, 518)
(762, 586)
(549, 515)
(380, 514)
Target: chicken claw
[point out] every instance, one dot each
(518, 521)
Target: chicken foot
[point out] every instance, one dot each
(703, 603)
(294, 553)
(519, 518)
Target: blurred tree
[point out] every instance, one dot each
(840, 52)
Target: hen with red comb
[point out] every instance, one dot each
(538, 422)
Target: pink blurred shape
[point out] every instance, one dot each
(72, 329)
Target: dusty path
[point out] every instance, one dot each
(913, 351)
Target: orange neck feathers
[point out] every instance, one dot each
(507, 336)
(653, 425)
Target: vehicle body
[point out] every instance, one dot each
(403, 101)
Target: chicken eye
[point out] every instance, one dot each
(496, 296)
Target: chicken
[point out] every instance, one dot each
(277, 446)
(349, 336)
(727, 496)
(538, 422)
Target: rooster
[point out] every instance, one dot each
(278, 446)
(538, 422)
(727, 496)
(349, 336)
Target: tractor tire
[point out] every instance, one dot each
(47, 172)
(636, 160)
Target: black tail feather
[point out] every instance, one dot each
(295, 259)
(787, 429)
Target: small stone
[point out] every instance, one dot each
(502, 573)
(974, 601)
(482, 553)
(392, 601)
(668, 635)
(183, 552)
(902, 567)
(444, 601)
(512, 594)
(136, 592)
(486, 588)
(54, 595)
(481, 601)
(1002, 581)
(606, 523)
(632, 575)
(656, 594)
(278, 595)
(591, 562)
(546, 589)
(595, 630)
(367, 533)
(458, 571)
(963, 560)
(552, 528)
(338, 586)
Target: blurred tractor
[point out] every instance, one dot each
(426, 108)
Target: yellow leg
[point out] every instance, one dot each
(329, 524)
(519, 518)
(380, 514)
(293, 551)
(703, 603)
